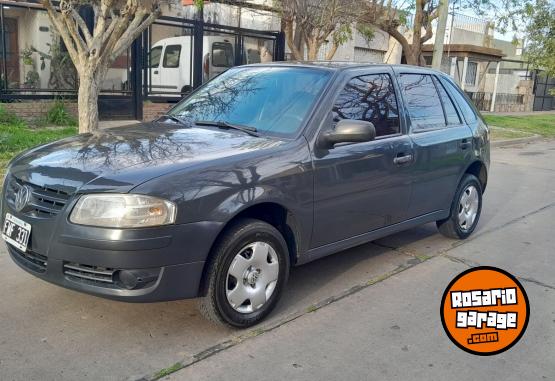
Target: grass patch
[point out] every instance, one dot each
(16, 136)
(541, 124)
(8, 117)
(167, 371)
(311, 309)
(59, 116)
(498, 133)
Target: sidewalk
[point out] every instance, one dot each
(116, 123)
(392, 330)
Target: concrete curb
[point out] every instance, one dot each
(510, 142)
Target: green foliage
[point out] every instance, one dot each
(58, 115)
(507, 15)
(16, 136)
(27, 56)
(541, 36)
(32, 80)
(366, 31)
(342, 34)
(8, 117)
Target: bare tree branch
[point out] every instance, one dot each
(82, 25)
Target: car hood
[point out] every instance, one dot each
(122, 158)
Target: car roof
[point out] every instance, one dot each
(348, 65)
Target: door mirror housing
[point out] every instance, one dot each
(348, 131)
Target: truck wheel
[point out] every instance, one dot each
(465, 210)
(247, 274)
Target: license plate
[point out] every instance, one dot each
(16, 232)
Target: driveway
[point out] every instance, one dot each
(369, 312)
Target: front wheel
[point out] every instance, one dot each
(247, 274)
(465, 210)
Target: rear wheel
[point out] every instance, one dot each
(465, 210)
(246, 277)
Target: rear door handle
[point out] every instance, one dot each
(465, 144)
(155, 71)
(402, 159)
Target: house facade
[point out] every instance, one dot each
(180, 51)
(493, 72)
(186, 47)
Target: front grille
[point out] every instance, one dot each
(33, 261)
(45, 202)
(95, 275)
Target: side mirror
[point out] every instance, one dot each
(348, 131)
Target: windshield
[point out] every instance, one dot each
(275, 100)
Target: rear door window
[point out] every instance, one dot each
(423, 102)
(370, 98)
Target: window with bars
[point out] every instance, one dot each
(471, 73)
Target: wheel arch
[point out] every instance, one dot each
(272, 213)
(478, 169)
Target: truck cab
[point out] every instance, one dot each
(170, 62)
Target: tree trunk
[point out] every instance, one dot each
(87, 101)
(313, 49)
(332, 51)
(412, 57)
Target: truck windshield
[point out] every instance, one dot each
(273, 100)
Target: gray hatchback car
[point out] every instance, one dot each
(263, 168)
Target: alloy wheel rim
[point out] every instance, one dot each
(468, 207)
(252, 277)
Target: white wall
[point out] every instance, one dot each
(382, 48)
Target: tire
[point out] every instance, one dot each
(185, 90)
(248, 239)
(453, 226)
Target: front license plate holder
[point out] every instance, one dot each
(16, 232)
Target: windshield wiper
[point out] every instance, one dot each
(177, 119)
(222, 124)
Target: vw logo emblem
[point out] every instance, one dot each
(22, 197)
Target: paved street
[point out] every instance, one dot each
(367, 313)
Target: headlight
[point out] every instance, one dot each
(123, 211)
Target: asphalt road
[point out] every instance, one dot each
(366, 313)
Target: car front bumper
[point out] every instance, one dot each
(167, 262)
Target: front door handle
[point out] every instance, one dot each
(402, 159)
(155, 71)
(465, 143)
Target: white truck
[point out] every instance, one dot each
(170, 62)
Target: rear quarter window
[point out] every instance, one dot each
(450, 111)
(467, 110)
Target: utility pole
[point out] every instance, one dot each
(440, 33)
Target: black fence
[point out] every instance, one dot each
(483, 100)
(172, 57)
(544, 92)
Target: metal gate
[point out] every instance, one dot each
(35, 65)
(544, 90)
